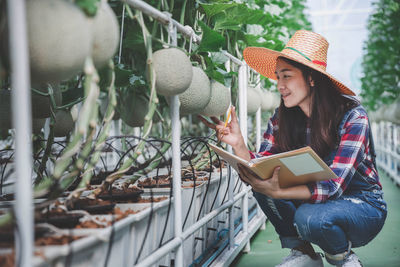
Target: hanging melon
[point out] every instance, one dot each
(253, 100)
(219, 102)
(276, 100)
(266, 100)
(59, 39)
(173, 71)
(64, 123)
(133, 108)
(105, 30)
(197, 96)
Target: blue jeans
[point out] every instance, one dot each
(357, 217)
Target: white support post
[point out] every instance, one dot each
(258, 117)
(21, 109)
(176, 161)
(243, 128)
(243, 101)
(231, 184)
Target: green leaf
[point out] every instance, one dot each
(211, 41)
(216, 8)
(88, 6)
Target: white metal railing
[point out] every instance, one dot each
(387, 143)
(21, 109)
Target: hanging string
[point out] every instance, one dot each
(121, 35)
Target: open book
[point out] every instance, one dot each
(300, 166)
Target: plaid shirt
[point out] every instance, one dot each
(353, 153)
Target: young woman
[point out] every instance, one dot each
(316, 110)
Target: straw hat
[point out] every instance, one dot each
(308, 48)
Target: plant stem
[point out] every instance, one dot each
(148, 120)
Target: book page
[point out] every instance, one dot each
(301, 164)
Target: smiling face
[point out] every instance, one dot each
(294, 88)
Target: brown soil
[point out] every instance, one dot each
(161, 181)
(7, 260)
(149, 200)
(58, 217)
(119, 215)
(200, 175)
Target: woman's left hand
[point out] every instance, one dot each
(269, 187)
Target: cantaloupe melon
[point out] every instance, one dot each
(253, 100)
(219, 102)
(173, 71)
(197, 96)
(276, 100)
(266, 100)
(133, 109)
(105, 32)
(41, 104)
(64, 123)
(59, 39)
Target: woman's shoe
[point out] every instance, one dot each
(297, 258)
(352, 261)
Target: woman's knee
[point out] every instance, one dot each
(309, 221)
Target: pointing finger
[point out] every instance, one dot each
(206, 122)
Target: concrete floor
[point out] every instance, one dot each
(384, 250)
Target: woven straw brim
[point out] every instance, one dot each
(263, 60)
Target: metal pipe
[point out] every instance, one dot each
(231, 219)
(212, 214)
(243, 101)
(176, 160)
(245, 218)
(159, 253)
(243, 128)
(21, 110)
(234, 59)
(164, 18)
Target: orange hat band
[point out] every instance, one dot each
(300, 53)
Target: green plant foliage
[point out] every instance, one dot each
(88, 6)
(381, 62)
(211, 40)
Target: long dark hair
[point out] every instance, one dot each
(328, 106)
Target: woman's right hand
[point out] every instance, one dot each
(230, 134)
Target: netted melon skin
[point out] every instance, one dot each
(266, 100)
(173, 71)
(219, 102)
(133, 110)
(105, 30)
(64, 123)
(59, 39)
(197, 96)
(253, 100)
